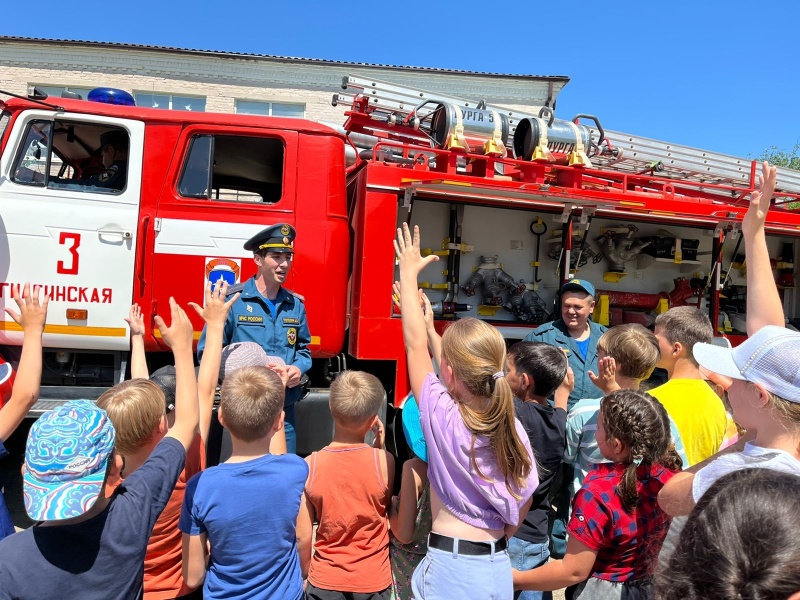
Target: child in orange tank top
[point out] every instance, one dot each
(348, 491)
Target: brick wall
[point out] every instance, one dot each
(221, 79)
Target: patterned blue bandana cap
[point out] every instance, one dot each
(65, 461)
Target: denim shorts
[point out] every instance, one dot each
(444, 575)
(524, 557)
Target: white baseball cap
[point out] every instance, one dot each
(770, 357)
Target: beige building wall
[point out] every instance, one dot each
(222, 78)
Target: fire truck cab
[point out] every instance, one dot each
(186, 191)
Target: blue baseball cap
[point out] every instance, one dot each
(66, 457)
(412, 428)
(577, 285)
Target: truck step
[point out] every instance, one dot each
(51, 397)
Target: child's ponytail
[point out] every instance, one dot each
(641, 423)
(476, 352)
(512, 456)
(627, 488)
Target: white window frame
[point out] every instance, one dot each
(171, 97)
(78, 89)
(269, 106)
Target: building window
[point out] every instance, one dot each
(55, 91)
(270, 109)
(170, 101)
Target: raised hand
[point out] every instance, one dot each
(180, 332)
(216, 307)
(568, 384)
(407, 251)
(32, 310)
(396, 295)
(379, 431)
(135, 320)
(756, 214)
(606, 380)
(427, 310)
(424, 303)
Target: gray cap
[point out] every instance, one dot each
(245, 354)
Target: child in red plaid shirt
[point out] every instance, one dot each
(617, 527)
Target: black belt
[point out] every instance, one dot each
(467, 547)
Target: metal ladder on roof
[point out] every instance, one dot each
(390, 103)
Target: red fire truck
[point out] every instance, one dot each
(513, 204)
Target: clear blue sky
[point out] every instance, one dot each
(708, 73)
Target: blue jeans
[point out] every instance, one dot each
(562, 499)
(288, 429)
(444, 575)
(524, 557)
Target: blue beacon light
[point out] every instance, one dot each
(111, 96)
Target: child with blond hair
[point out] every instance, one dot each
(695, 407)
(141, 417)
(252, 554)
(480, 465)
(349, 492)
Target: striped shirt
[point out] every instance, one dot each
(582, 451)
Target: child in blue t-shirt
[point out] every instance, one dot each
(247, 507)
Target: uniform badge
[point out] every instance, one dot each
(108, 173)
(250, 319)
(249, 308)
(291, 336)
(285, 230)
(286, 241)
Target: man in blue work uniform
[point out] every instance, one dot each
(577, 335)
(269, 315)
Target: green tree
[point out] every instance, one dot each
(782, 158)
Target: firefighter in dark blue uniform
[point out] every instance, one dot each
(269, 315)
(112, 146)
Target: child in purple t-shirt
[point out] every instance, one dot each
(480, 465)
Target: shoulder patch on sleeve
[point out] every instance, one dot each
(108, 173)
(234, 289)
(298, 296)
